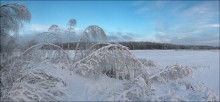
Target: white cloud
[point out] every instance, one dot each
(161, 33)
(34, 28)
(196, 26)
(211, 25)
(37, 27)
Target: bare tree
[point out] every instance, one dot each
(71, 24)
(54, 34)
(12, 17)
(54, 28)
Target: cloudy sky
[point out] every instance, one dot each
(178, 22)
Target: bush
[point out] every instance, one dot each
(171, 73)
(114, 60)
(32, 57)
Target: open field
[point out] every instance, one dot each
(207, 60)
(170, 75)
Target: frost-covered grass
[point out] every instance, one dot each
(170, 76)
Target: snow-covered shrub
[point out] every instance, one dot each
(135, 90)
(114, 60)
(35, 85)
(91, 35)
(171, 73)
(32, 57)
(95, 47)
(90, 50)
(183, 90)
(200, 92)
(148, 63)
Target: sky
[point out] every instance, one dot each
(177, 22)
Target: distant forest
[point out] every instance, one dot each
(153, 45)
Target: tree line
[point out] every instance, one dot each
(151, 46)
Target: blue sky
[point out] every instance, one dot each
(178, 22)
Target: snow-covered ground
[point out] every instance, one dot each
(207, 72)
(52, 82)
(207, 60)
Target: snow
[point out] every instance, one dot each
(84, 89)
(80, 88)
(70, 86)
(208, 68)
(207, 60)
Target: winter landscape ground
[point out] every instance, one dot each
(206, 60)
(48, 81)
